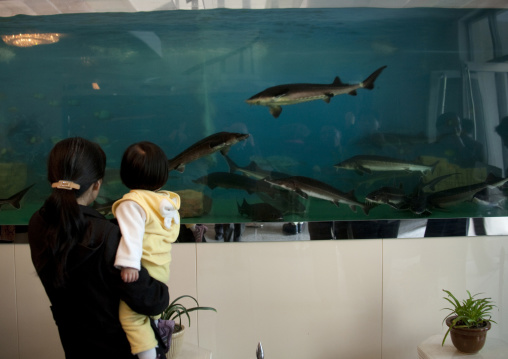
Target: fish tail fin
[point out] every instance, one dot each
(15, 199)
(241, 209)
(232, 165)
(369, 81)
(434, 165)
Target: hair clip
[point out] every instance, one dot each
(69, 185)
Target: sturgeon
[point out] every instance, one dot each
(221, 141)
(290, 94)
(253, 170)
(235, 181)
(369, 163)
(453, 196)
(307, 187)
(392, 196)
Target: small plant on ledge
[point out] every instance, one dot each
(176, 310)
(172, 333)
(471, 315)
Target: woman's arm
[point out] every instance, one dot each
(145, 296)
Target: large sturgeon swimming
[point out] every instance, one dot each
(220, 141)
(307, 187)
(290, 94)
(369, 163)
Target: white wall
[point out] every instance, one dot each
(317, 299)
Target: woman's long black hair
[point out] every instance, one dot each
(80, 161)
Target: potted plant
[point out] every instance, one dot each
(468, 321)
(173, 313)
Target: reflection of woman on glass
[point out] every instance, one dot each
(502, 130)
(73, 248)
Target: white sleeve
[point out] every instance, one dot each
(131, 219)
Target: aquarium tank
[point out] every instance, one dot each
(307, 114)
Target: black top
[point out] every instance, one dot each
(86, 309)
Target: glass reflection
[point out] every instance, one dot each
(351, 127)
(342, 230)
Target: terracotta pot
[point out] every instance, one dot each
(176, 343)
(468, 340)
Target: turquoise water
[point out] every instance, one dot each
(176, 77)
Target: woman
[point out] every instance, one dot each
(73, 249)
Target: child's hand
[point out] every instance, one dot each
(129, 275)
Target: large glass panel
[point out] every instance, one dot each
(482, 46)
(352, 114)
(502, 27)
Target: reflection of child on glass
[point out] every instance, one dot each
(149, 221)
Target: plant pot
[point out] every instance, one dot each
(468, 340)
(176, 342)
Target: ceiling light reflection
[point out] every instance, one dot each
(28, 40)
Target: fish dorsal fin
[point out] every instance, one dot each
(253, 166)
(491, 178)
(275, 111)
(337, 81)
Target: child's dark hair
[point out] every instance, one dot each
(144, 166)
(84, 163)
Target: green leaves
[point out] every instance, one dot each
(176, 310)
(471, 313)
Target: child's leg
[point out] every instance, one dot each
(138, 329)
(148, 354)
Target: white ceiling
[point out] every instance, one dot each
(49, 7)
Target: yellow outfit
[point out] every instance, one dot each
(160, 231)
